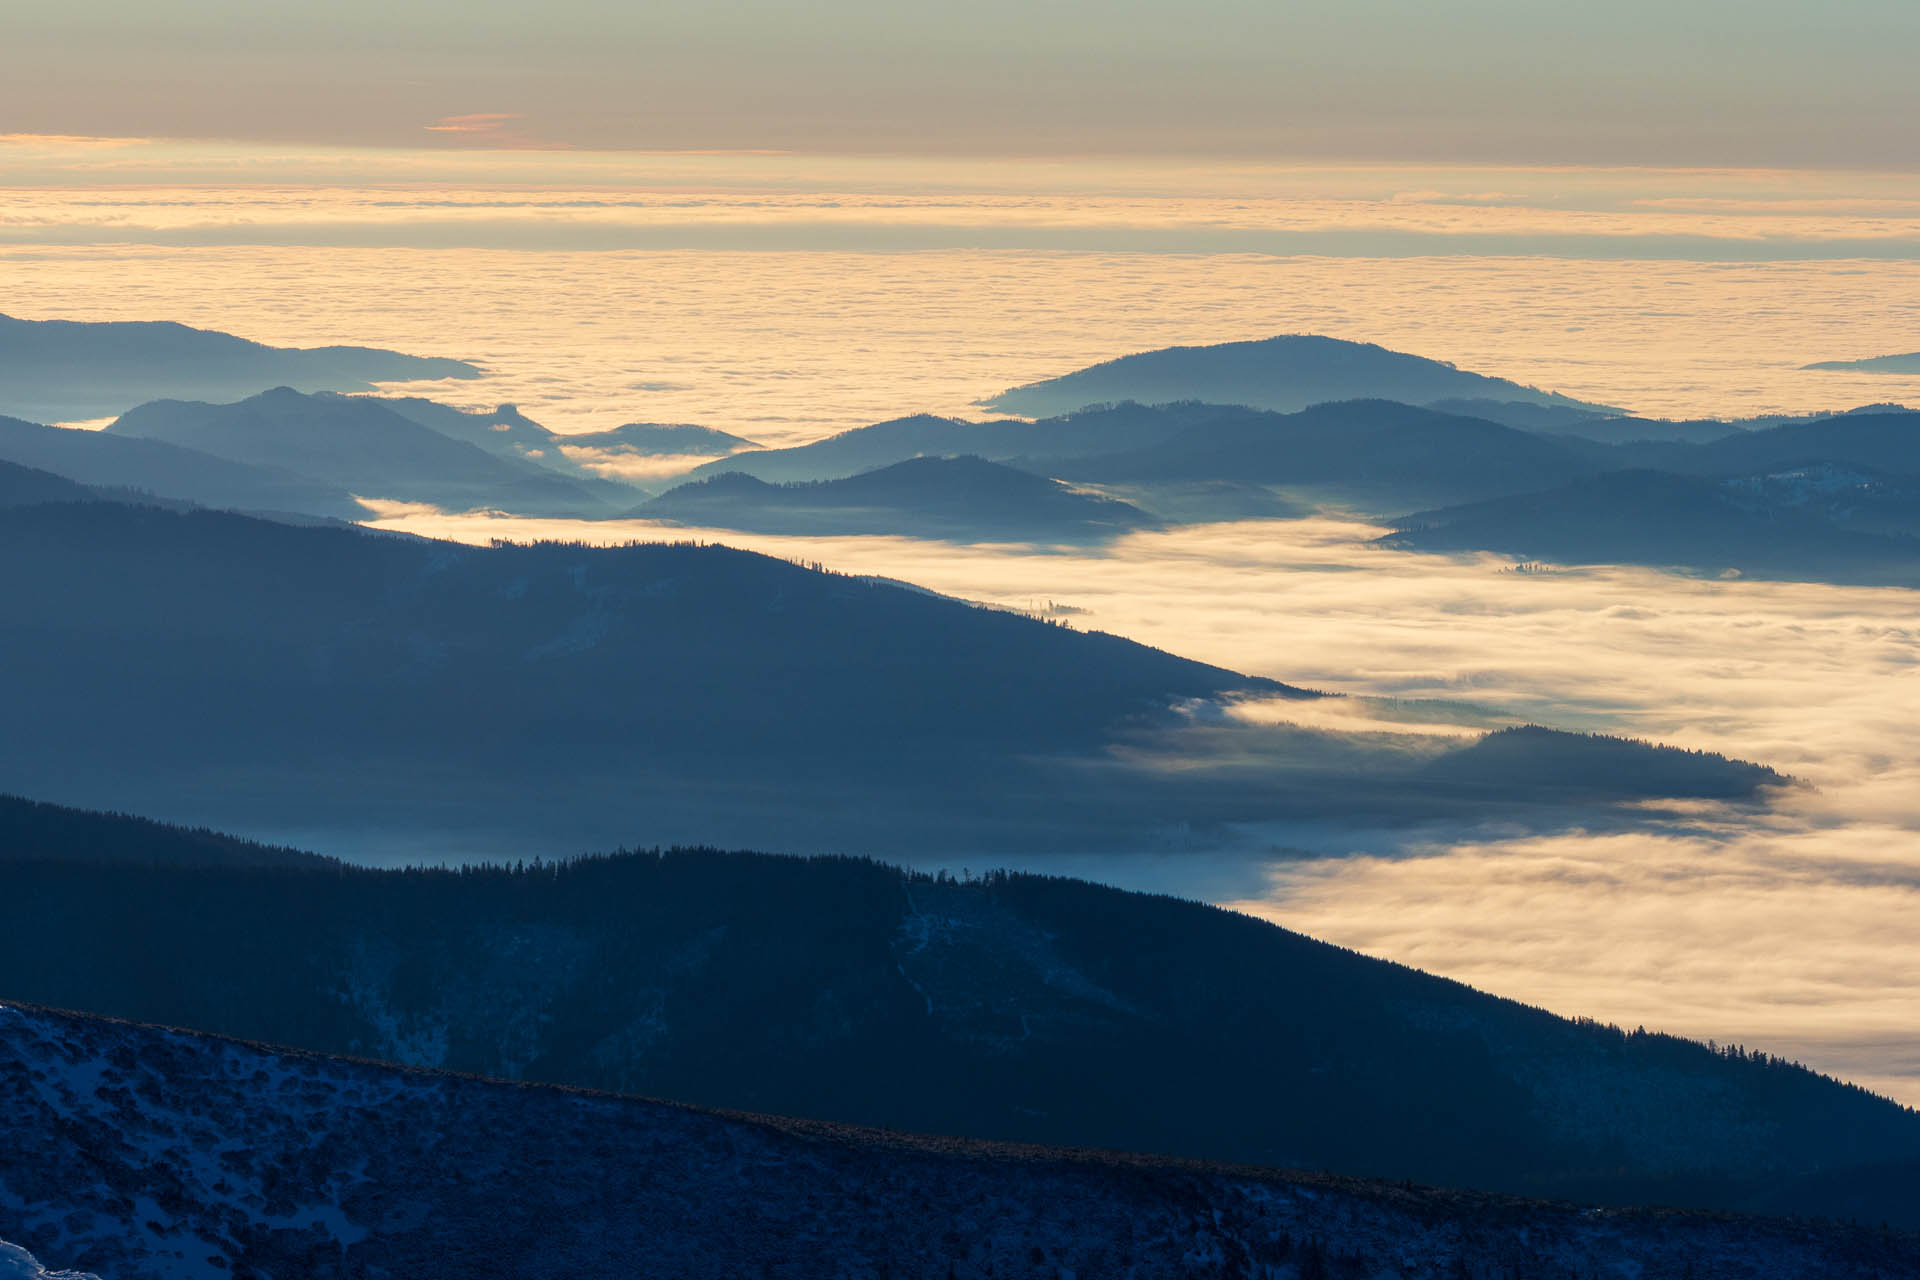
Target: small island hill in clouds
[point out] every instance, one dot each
(1215, 642)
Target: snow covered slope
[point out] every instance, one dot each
(142, 1153)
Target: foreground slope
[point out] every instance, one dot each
(1285, 374)
(1010, 1007)
(64, 370)
(147, 1153)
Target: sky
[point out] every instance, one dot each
(1660, 82)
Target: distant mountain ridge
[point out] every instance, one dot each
(65, 370)
(962, 498)
(1907, 363)
(1284, 374)
(240, 1159)
(364, 446)
(1833, 499)
(651, 439)
(106, 461)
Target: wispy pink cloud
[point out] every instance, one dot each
(477, 122)
(492, 129)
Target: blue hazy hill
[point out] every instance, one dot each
(65, 370)
(103, 460)
(963, 499)
(363, 445)
(1284, 374)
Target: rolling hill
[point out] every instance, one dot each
(1284, 374)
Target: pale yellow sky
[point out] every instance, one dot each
(1717, 82)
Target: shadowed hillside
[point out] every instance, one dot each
(24, 486)
(549, 697)
(1013, 1006)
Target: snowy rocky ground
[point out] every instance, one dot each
(138, 1153)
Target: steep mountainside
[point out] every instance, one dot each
(362, 445)
(1284, 374)
(64, 370)
(1013, 1007)
(106, 461)
(965, 498)
(147, 1153)
(1818, 524)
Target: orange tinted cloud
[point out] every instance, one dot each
(66, 140)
